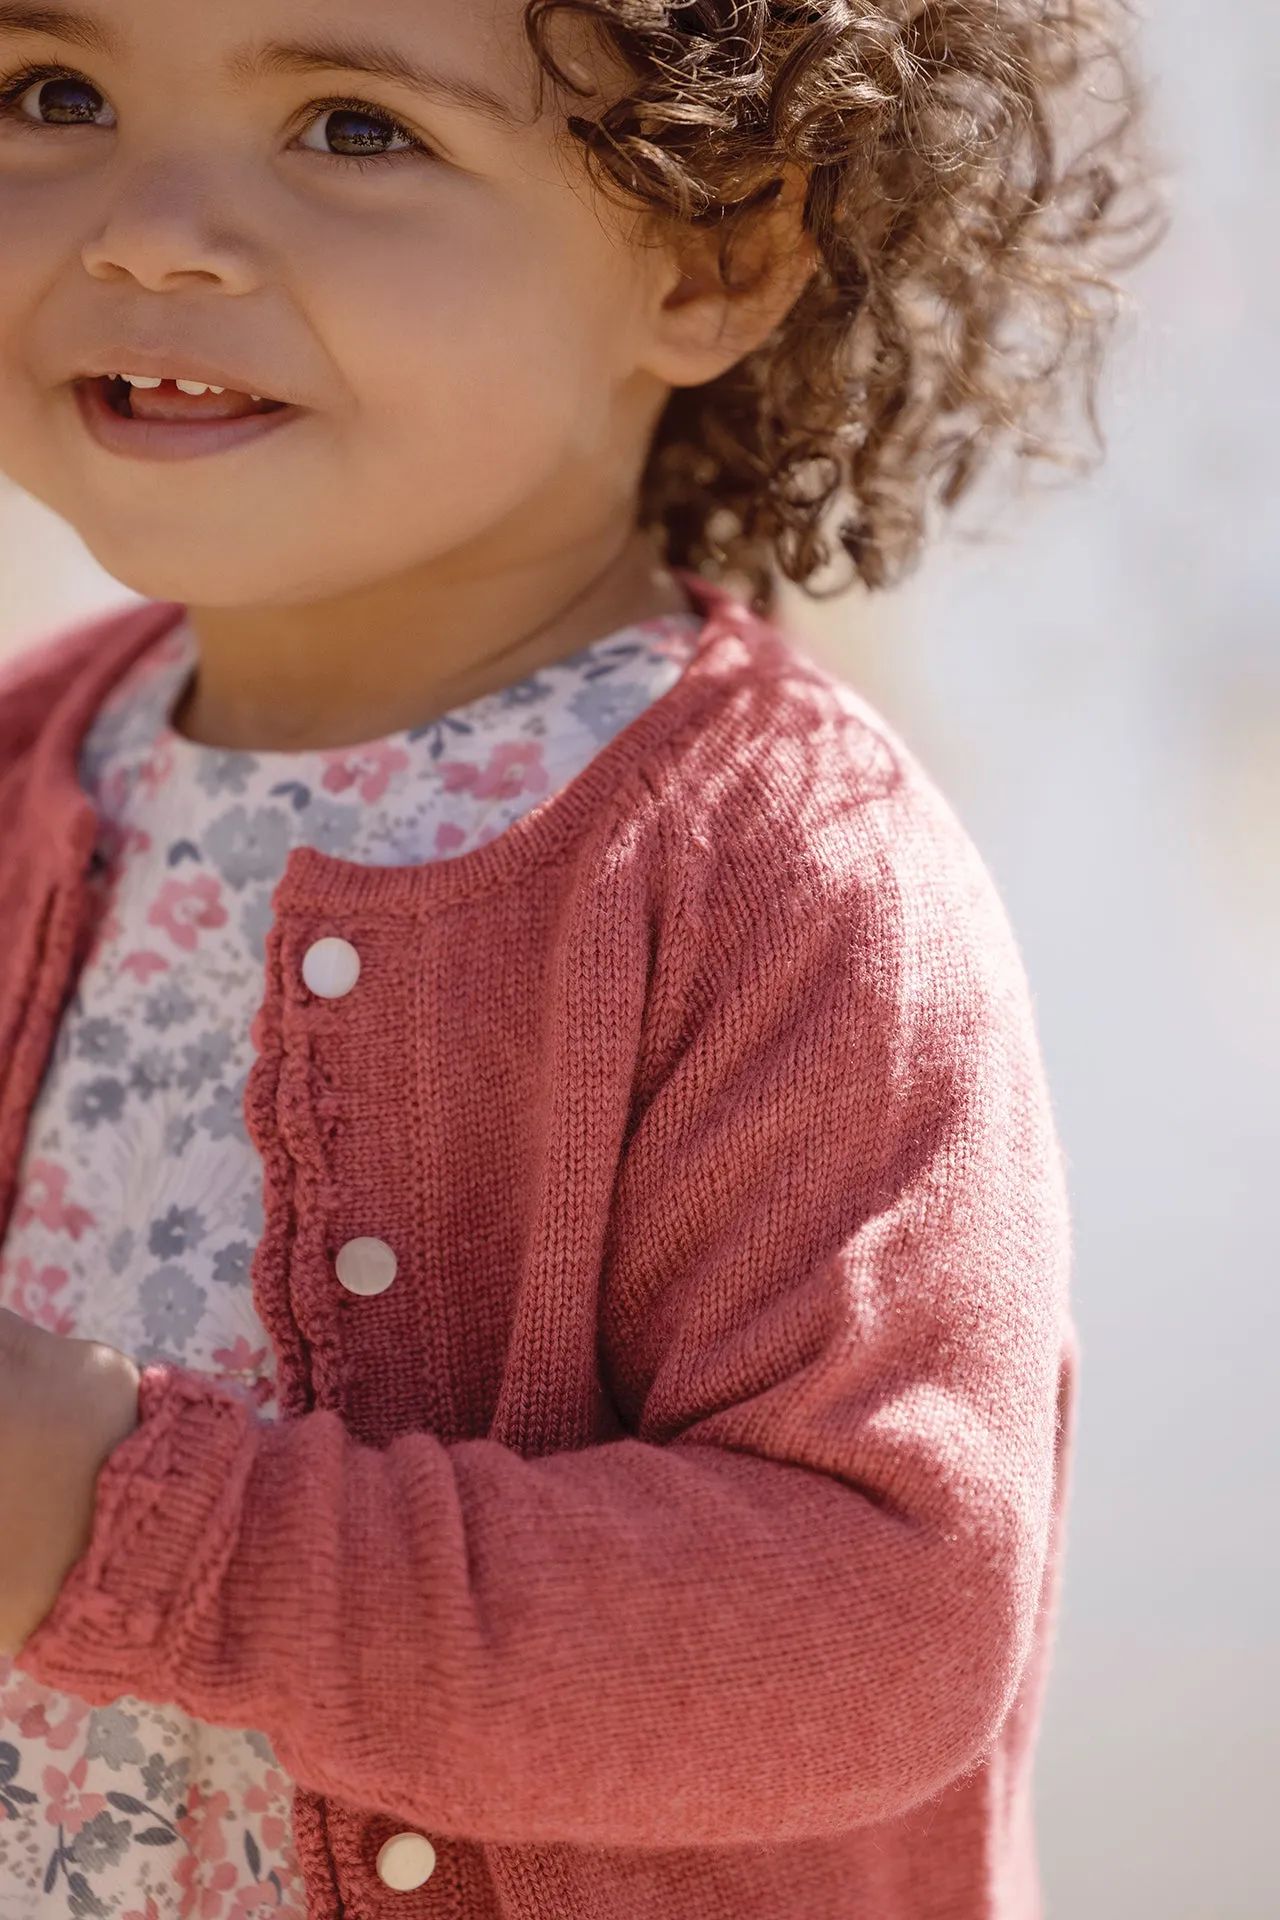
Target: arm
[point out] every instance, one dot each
(802, 1596)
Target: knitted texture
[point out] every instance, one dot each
(680, 1533)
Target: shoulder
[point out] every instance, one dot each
(830, 934)
(793, 802)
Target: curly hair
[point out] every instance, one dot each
(964, 221)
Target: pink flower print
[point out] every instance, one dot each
(156, 769)
(184, 906)
(150, 1912)
(667, 642)
(449, 838)
(272, 1791)
(255, 1896)
(242, 1363)
(116, 843)
(242, 1358)
(115, 793)
(201, 1824)
(69, 1807)
(105, 934)
(515, 767)
(143, 965)
(273, 1831)
(369, 768)
(44, 1198)
(30, 1291)
(25, 1704)
(205, 1900)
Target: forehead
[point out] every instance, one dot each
(477, 43)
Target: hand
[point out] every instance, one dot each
(65, 1405)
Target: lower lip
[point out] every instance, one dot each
(170, 439)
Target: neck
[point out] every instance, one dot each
(399, 655)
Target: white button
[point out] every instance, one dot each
(331, 968)
(366, 1267)
(406, 1862)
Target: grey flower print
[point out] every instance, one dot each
(223, 1118)
(82, 1902)
(152, 1072)
(248, 846)
(204, 1059)
(120, 1251)
(181, 1230)
(98, 1101)
(330, 827)
(171, 1307)
(260, 1745)
(231, 1264)
(442, 733)
(527, 694)
(224, 772)
(103, 1042)
(255, 922)
(179, 1132)
(113, 1736)
(605, 707)
(168, 1006)
(165, 1779)
(252, 1213)
(101, 1842)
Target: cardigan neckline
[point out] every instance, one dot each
(323, 882)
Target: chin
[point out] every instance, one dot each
(161, 567)
(193, 585)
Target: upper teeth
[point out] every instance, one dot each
(147, 380)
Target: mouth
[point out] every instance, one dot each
(140, 398)
(143, 417)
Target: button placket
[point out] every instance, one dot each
(331, 969)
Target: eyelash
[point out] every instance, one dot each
(319, 108)
(13, 89)
(28, 77)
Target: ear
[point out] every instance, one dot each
(700, 326)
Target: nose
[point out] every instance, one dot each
(168, 230)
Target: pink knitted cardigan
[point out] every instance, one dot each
(678, 1537)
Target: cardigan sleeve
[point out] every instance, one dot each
(800, 1594)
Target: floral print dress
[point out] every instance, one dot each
(140, 1199)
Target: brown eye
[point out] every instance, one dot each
(352, 133)
(66, 102)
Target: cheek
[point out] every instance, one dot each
(37, 250)
(461, 345)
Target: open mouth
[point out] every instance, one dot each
(179, 401)
(138, 417)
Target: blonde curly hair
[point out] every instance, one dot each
(964, 231)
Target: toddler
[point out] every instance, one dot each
(536, 1364)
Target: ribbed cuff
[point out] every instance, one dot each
(166, 1516)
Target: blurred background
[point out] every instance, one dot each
(1096, 686)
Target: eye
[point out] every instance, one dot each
(357, 133)
(63, 100)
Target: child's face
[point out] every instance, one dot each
(460, 325)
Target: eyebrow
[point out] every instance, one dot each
(79, 29)
(380, 62)
(281, 57)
